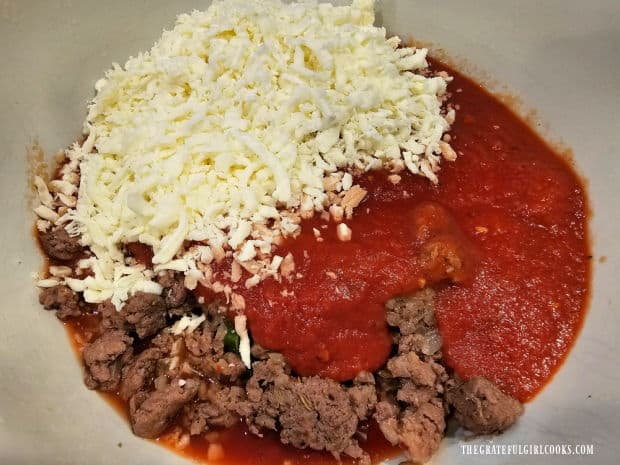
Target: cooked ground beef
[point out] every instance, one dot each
(104, 358)
(154, 400)
(411, 387)
(411, 411)
(363, 394)
(63, 299)
(205, 351)
(312, 412)
(58, 244)
(191, 378)
(146, 312)
(219, 406)
(164, 341)
(445, 254)
(420, 430)
(143, 313)
(413, 405)
(140, 373)
(175, 293)
(112, 319)
(482, 408)
(414, 316)
(207, 339)
(151, 413)
(444, 258)
(260, 353)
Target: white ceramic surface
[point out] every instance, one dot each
(561, 56)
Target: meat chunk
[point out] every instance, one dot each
(111, 319)
(313, 412)
(272, 370)
(63, 299)
(363, 394)
(482, 408)
(206, 352)
(420, 430)
(139, 374)
(206, 340)
(411, 412)
(445, 257)
(411, 314)
(146, 312)
(259, 353)
(444, 251)
(151, 413)
(414, 316)
(103, 360)
(58, 244)
(219, 407)
(164, 341)
(230, 367)
(410, 366)
(175, 293)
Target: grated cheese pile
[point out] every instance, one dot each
(241, 120)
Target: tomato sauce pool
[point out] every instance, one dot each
(519, 207)
(515, 206)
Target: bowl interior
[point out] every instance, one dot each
(559, 57)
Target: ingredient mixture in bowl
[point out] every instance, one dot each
(288, 238)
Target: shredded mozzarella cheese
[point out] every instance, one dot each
(234, 119)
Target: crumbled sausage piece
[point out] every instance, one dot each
(58, 244)
(414, 316)
(139, 374)
(444, 258)
(151, 413)
(312, 412)
(363, 394)
(103, 360)
(146, 312)
(221, 407)
(63, 299)
(419, 430)
(175, 294)
(411, 367)
(206, 352)
(111, 318)
(411, 387)
(260, 353)
(482, 408)
(444, 251)
(430, 219)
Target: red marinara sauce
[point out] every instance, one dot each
(516, 205)
(518, 209)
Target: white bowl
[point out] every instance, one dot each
(561, 57)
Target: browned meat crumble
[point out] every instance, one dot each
(482, 408)
(197, 382)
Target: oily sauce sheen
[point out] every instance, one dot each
(518, 208)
